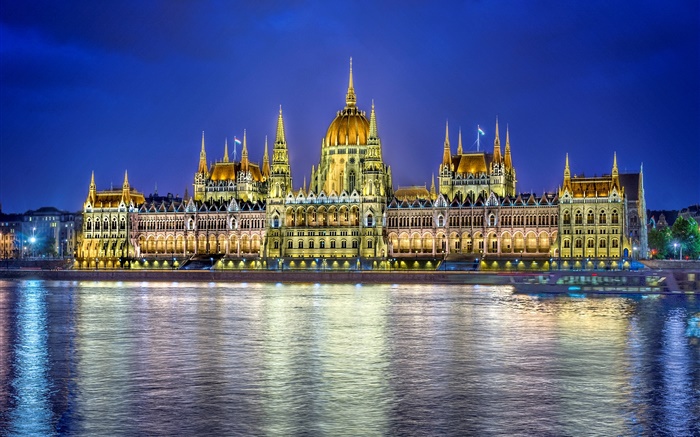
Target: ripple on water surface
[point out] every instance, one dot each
(103, 358)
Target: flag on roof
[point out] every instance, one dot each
(481, 131)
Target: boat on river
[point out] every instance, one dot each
(599, 282)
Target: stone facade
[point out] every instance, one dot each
(349, 214)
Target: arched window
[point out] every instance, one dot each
(370, 220)
(492, 220)
(578, 244)
(601, 244)
(590, 218)
(590, 243)
(602, 219)
(440, 221)
(615, 218)
(275, 222)
(579, 218)
(300, 245)
(567, 244)
(351, 181)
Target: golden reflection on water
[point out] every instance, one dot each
(177, 358)
(339, 333)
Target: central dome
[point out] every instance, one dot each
(350, 126)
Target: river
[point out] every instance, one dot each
(157, 358)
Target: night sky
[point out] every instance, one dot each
(115, 86)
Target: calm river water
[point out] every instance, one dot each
(111, 358)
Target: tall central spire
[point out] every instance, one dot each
(350, 99)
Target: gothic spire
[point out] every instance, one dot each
(614, 168)
(432, 187)
(373, 123)
(350, 99)
(202, 158)
(508, 159)
(497, 145)
(567, 171)
(459, 142)
(446, 154)
(244, 153)
(125, 189)
(280, 139)
(226, 150)
(266, 161)
(92, 191)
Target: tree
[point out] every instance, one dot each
(46, 246)
(685, 232)
(660, 242)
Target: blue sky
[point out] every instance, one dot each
(115, 86)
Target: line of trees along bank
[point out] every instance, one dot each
(669, 242)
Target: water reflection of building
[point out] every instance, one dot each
(349, 215)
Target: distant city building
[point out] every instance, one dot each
(349, 215)
(10, 235)
(693, 211)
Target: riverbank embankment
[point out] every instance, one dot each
(301, 276)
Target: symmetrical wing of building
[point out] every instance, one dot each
(243, 214)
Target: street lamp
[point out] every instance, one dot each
(675, 248)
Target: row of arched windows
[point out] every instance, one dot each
(590, 218)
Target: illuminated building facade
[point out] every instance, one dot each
(602, 217)
(105, 241)
(245, 214)
(342, 213)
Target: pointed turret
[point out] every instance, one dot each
(202, 158)
(508, 160)
(373, 123)
(126, 197)
(266, 162)
(280, 172)
(226, 150)
(497, 145)
(92, 190)
(433, 195)
(446, 154)
(459, 142)
(312, 187)
(567, 171)
(350, 99)
(280, 138)
(615, 173)
(244, 153)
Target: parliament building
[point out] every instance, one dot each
(243, 214)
